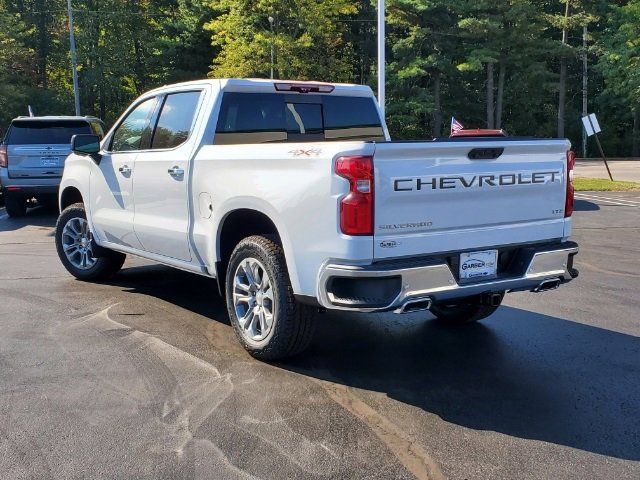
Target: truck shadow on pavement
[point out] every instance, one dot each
(186, 290)
(519, 373)
(585, 206)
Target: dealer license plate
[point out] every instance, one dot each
(49, 161)
(478, 265)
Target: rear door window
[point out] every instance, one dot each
(175, 120)
(45, 132)
(274, 117)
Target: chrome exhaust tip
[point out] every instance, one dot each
(546, 285)
(415, 305)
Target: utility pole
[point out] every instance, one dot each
(74, 59)
(272, 20)
(381, 56)
(585, 87)
(562, 87)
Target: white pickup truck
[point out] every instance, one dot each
(293, 197)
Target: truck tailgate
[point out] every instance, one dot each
(433, 197)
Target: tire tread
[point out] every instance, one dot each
(295, 323)
(105, 268)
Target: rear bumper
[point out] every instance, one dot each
(28, 187)
(389, 286)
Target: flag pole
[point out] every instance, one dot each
(381, 56)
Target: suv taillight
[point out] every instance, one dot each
(4, 158)
(571, 163)
(356, 209)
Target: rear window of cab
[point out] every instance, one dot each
(276, 117)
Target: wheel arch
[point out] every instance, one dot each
(241, 223)
(70, 195)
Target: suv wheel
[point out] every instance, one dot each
(74, 246)
(265, 315)
(16, 205)
(462, 311)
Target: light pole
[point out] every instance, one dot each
(74, 59)
(381, 56)
(271, 22)
(585, 87)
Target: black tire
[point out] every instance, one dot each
(293, 323)
(105, 267)
(15, 205)
(467, 310)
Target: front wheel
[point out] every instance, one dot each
(265, 315)
(467, 310)
(75, 247)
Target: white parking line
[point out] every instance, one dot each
(607, 201)
(610, 197)
(615, 201)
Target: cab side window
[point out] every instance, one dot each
(175, 120)
(130, 133)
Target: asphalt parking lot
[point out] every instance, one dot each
(142, 377)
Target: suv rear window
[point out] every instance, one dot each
(276, 117)
(43, 132)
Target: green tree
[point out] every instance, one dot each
(501, 37)
(423, 37)
(306, 35)
(620, 63)
(16, 62)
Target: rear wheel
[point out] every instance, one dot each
(466, 310)
(16, 205)
(75, 247)
(265, 315)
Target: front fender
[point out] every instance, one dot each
(77, 174)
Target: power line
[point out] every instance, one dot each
(97, 12)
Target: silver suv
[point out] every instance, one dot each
(32, 157)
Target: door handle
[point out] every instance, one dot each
(125, 169)
(176, 171)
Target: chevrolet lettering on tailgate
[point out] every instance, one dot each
(475, 181)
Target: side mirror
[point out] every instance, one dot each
(86, 144)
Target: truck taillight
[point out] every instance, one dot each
(356, 209)
(571, 163)
(4, 158)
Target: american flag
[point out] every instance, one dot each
(456, 126)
